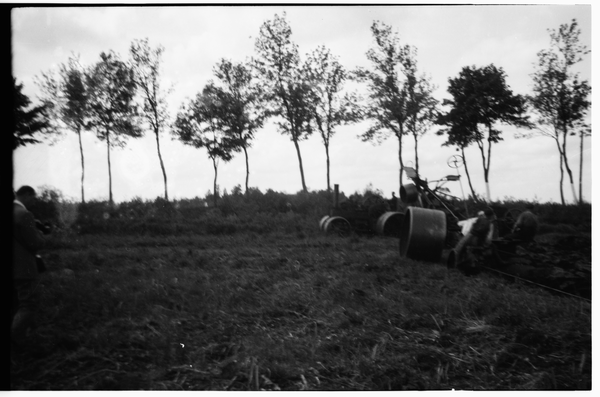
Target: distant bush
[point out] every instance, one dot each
(190, 208)
(254, 212)
(554, 214)
(45, 208)
(53, 208)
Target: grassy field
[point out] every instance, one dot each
(251, 306)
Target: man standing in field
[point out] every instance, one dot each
(394, 202)
(27, 240)
(526, 226)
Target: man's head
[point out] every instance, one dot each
(489, 213)
(393, 194)
(26, 195)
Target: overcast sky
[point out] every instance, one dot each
(448, 38)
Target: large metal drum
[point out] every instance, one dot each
(337, 225)
(423, 234)
(409, 193)
(322, 222)
(389, 223)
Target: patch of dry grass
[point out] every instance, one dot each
(283, 312)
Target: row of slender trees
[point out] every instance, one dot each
(119, 99)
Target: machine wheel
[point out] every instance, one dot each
(512, 215)
(423, 234)
(322, 222)
(455, 161)
(389, 223)
(510, 218)
(338, 225)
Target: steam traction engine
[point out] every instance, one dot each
(430, 223)
(433, 224)
(429, 226)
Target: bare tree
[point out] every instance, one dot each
(146, 62)
(560, 98)
(113, 115)
(421, 107)
(330, 108)
(242, 110)
(387, 104)
(67, 98)
(482, 101)
(284, 83)
(198, 124)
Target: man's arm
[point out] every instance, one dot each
(27, 234)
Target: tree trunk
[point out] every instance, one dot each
(570, 174)
(247, 167)
(486, 166)
(487, 170)
(562, 172)
(575, 200)
(580, 169)
(566, 161)
(82, 164)
(327, 156)
(416, 153)
(304, 189)
(563, 153)
(462, 149)
(400, 157)
(215, 182)
(162, 165)
(110, 195)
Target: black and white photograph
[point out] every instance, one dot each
(305, 197)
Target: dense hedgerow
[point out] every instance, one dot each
(254, 212)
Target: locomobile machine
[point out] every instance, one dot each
(428, 224)
(432, 223)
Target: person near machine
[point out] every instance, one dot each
(480, 233)
(394, 202)
(526, 226)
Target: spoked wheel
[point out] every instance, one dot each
(455, 161)
(510, 217)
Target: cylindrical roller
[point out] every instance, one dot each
(409, 193)
(338, 225)
(423, 234)
(322, 222)
(389, 223)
